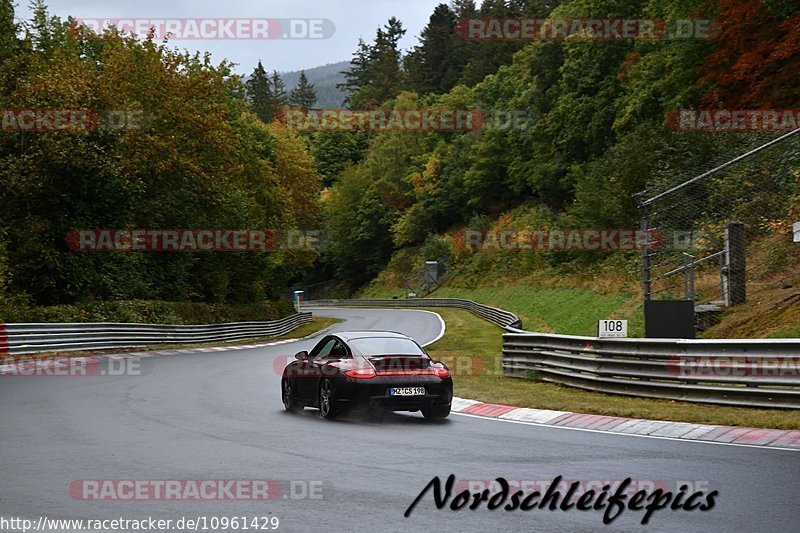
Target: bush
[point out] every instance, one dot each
(435, 247)
(18, 309)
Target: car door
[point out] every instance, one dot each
(308, 378)
(327, 363)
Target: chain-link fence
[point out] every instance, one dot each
(422, 282)
(726, 234)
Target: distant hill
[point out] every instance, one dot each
(324, 79)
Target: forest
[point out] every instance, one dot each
(211, 151)
(599, 120)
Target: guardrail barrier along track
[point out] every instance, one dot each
(18, 339)
(504, 319)
(749, 373)
(738, 372)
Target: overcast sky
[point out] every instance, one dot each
(352, 19)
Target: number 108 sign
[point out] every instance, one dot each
(612, 328)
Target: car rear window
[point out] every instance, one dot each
(385, 346)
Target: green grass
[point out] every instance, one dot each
(473, 349)
(317, 323)
(789, 332)
(553, 310)
(569, 311)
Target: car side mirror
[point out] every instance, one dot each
(301, 356)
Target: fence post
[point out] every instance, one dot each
(735, 263)
(688, 273)
(723, 280)
(645, 229)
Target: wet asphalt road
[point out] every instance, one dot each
(218, 416)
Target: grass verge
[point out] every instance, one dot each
(475, 347)
(565, 310)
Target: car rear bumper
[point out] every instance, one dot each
(375, 393)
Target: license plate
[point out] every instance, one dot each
(407, 391)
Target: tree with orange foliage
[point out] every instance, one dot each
(757, 58)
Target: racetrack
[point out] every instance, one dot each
(207, 416)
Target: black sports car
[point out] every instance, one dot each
(372, 369)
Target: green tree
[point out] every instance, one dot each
(376, 73)
(358, 225)
(434, 66)
(260, 94)
(387, 74)
(14, 53)
(486, 56)
(43, 29)
(8, 30)
(303, 96)
(278, 90)
(196, 156)
(358, 75)
(335, 150)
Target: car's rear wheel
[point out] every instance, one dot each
(439, 412)
(327, 401)
(290, 402)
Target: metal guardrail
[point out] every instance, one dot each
(504, 319)
(16, 339)
(738, 372)
(751, 373)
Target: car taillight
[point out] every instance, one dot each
(441, 371)
(360, 373)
